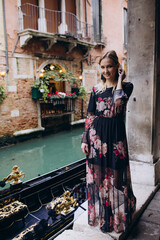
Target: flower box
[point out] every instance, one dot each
(76, 90)
(61, 95)
(36, 94)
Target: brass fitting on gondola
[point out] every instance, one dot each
(63, 204)
(15, 175)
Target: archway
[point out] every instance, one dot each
(56, 82)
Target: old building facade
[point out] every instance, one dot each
(72, 34)
(68, 34)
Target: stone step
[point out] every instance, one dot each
(143, 195)
(81, 225)
(82, 231)
(76, 235)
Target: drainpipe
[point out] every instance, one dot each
(5, 35)
(15, 45)
(81, 62)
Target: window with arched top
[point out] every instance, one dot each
(55, 73)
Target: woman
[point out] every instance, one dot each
(111, 202)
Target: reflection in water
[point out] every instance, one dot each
(42, 155)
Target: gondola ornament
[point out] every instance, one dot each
(14, 176)
(35, 194)
(64, 204)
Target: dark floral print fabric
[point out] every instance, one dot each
(111, 202)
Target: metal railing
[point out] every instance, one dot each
(56, 22)
(57, 107)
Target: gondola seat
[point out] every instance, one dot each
(35, 231)
(11, 213)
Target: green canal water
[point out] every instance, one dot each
(42, 155)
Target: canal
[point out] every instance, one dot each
(42, 155)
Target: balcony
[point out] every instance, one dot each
(57, 107)
(56, 113)
(53, 26)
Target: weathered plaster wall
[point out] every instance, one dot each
(89, 11)
(112, 29)
(11, 23)
(156, 127)
(2, 42)
(140, 118)
(19, 111)
(141, 48)
(113, 25)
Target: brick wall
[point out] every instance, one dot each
(19, 111)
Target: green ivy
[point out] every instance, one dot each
(61, 76)
(2, 94)
(56, 75)
(82, 92)
(35, 84)
(44, 84)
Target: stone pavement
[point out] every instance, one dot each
(147, 228)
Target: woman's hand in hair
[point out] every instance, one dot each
(122, 74)
(121, 77)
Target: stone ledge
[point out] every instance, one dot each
(78, 122)
(28, 131)
(70, 235)
(149, 175)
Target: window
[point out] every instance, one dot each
(96, 4)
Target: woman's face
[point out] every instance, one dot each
(108, 69)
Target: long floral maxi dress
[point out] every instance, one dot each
(111, 202)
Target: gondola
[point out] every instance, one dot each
(44, 206)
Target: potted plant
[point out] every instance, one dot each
(40, 89)
(75, 90)
(2, 94)
(74, 83)
(36, 94)
(62, 95)
(56, 74)
(82, 92)
(60, 75)
(82, 95)
(44, 88)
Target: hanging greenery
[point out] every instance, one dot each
(82, 92)
(53, 72)
(56, 73)
(2, 94)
